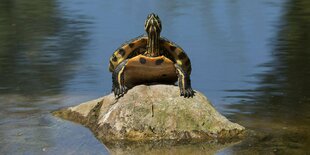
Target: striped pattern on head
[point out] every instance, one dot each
(152, 24)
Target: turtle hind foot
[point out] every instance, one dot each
(187, 93)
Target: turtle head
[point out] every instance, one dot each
(152, 24)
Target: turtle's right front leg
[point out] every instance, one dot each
(118, 86)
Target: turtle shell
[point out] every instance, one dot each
(138, 46)
(149, 70)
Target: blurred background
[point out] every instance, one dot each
(250, 58)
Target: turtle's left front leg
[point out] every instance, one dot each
(184, 82)
(118, 86)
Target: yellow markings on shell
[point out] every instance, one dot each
(140, 41)
(179, 62)
(175, 54)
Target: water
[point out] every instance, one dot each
(251, 58)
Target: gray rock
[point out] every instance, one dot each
(154, 112)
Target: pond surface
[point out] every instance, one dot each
(251, 58)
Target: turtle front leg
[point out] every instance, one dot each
(184, 83)
(118, 86)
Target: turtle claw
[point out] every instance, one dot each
(115, 90)
(187, 93)
(123, 90)
(182, 93)
(120, 91)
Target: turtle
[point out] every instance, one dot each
(150, 59)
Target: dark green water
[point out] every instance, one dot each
(251, 58)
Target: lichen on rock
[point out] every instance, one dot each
(155, 112)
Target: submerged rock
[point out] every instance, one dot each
(155, 112)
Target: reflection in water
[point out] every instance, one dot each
(280, 104)
(170, 147)
(39, 46)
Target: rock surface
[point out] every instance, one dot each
(154, 112)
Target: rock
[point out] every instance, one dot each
(155, 112)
